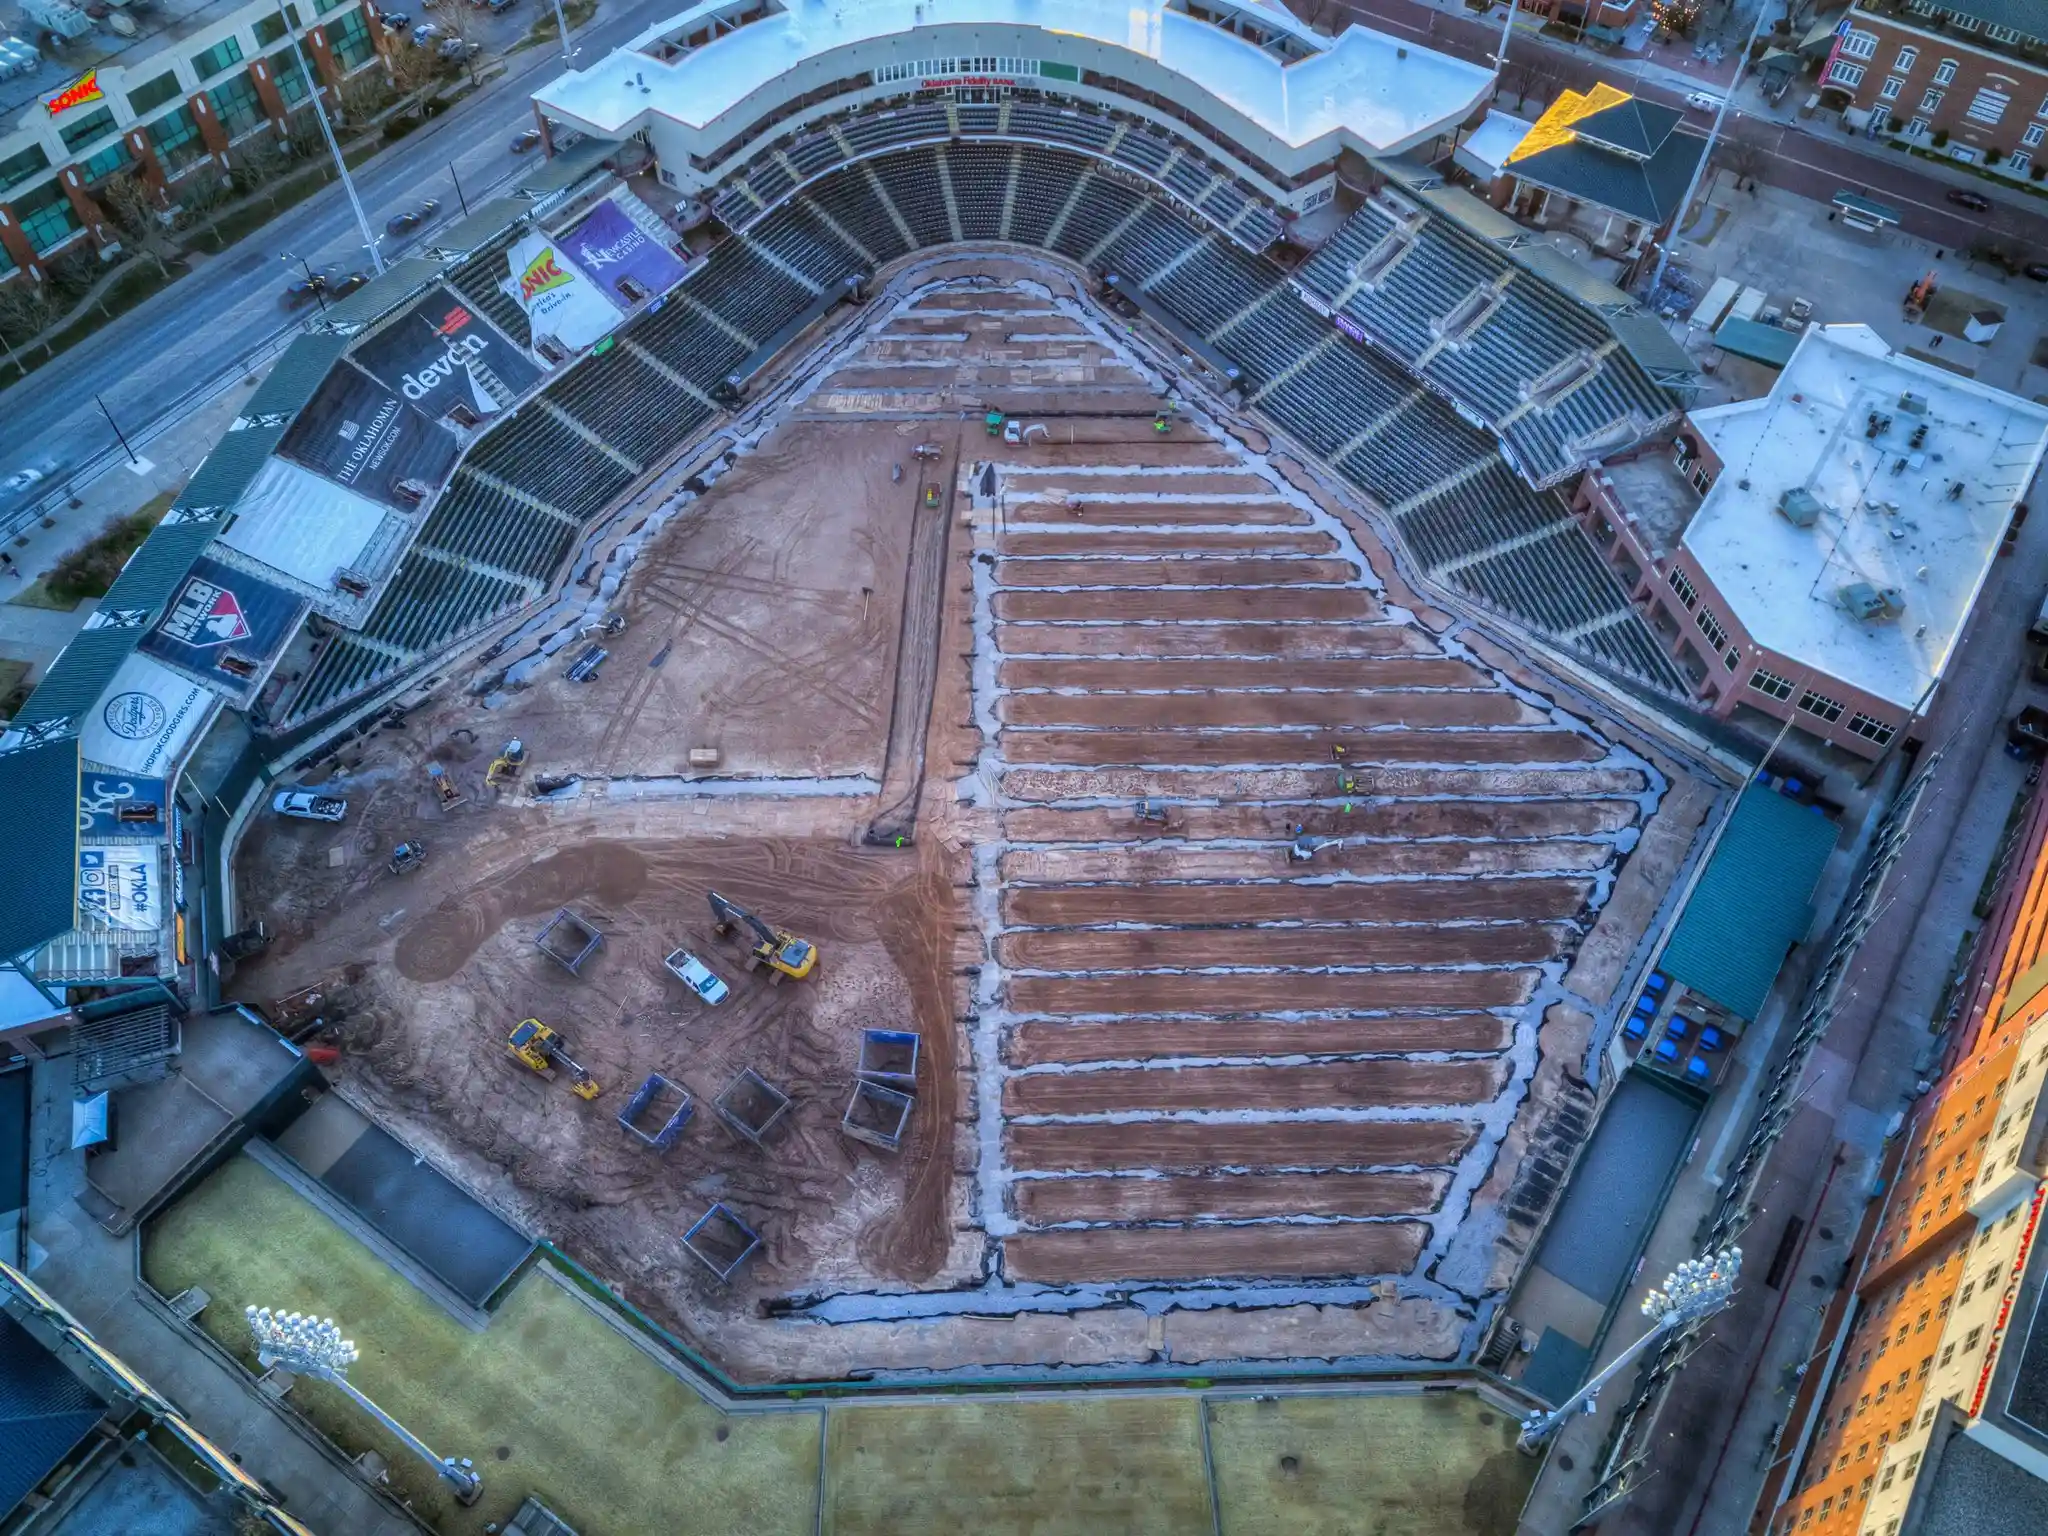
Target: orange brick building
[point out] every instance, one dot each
(1943, 1255)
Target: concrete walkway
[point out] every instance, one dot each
(94, 1276)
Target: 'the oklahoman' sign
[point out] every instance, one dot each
(80, 91)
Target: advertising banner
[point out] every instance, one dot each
(618, 257)
(559, 302)
(120, 888)
(433, 353)
(366, 436)
(119, 804)
(145, 719)
(225, 626)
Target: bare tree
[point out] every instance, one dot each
(462, 23)
(138, 208)
(26, 311)
(412, 67)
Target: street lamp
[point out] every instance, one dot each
(311, 1346)
(1697, 1288)
(327, 132)
(312, 282)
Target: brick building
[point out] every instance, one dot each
(1812, 555)
(1975, 70)
(202, 77)
(1926, 1405)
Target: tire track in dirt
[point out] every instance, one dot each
(441, 943)
(687, 607)
(1211, 1253)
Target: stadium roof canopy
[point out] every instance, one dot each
(1372, 92)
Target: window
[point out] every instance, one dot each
(1890, 89)
(1860, 45)
(1988, 106)
(1917, 129)
(1863, 1488)
(270, 28)
(1912, 1464)
(87, 129)
(46, 216)
(1863, 725)
(1944, 72)
(1686, 594)
(16, 169)
(222, 55)
(1850, 75)
(1886, 1481)
(1907, 58)
(1931, 102)
(237, 105)
(288, 73)
(1820, 704)
(1970, 1339)
(1710, 626)
(1948, 1353)
(107, 161)
(349, 41)
(1926, 1416)
(177, 140)
(1963, 1296)
(145, 99)
(2035, 133)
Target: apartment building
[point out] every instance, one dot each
(197, 78)
(1814, 554)
(1938, 1334)
(1973, 70)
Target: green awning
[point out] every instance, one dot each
(1753, 902)
(1768, 344)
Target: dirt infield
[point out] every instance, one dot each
(1224, 893)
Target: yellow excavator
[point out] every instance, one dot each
(782, 952)
(541, 1048)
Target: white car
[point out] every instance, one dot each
(307, 806)
(697, 976)
(1704, 101)
(27, 478)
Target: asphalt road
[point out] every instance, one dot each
(204, 324)
(1815, 165)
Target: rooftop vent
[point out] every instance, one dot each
(1800, 507)
(1871, 604)
(1913, 405)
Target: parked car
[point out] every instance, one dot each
(307, 806)
(394, 21)
(499, 7)
(1704, 101)
(454, 50)
(1976, 202)
(697, 976)
(405, 223)
(524, 140)
(426, 32)
(2037, 270)
(347, 285)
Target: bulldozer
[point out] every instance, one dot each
(783, 953)
(538, 1047)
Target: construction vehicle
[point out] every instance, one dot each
(925, 451)
(506, 765)
(408, 856)
(444, 787)
(783, 953)
(993, 421)
(538, 1047)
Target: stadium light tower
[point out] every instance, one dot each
(312, 1346)
(292, 30)
(1697, 1288)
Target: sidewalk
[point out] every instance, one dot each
(93, 1275)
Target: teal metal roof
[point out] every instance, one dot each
(1768, 344)
(1753, 902)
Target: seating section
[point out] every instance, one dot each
(1178, 165)
(1536, 365)
(521, 501)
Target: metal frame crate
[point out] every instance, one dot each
(592, 941)
(889, 1057)
(645, 1098)
(877, 1115)
(721, 1241)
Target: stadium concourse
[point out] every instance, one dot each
(426, 502)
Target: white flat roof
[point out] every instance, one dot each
(1383, 92)
(1881, 524)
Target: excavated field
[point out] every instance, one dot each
(1271, 1052)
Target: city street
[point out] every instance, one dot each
(204, 324)
(1815, 164)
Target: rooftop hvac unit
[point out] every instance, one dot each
(18, 58)
(57, 16)
(1800, 507)
(1871, 604)
(1913, 405)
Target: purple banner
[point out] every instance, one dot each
(618, 257)
(1348, 326)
